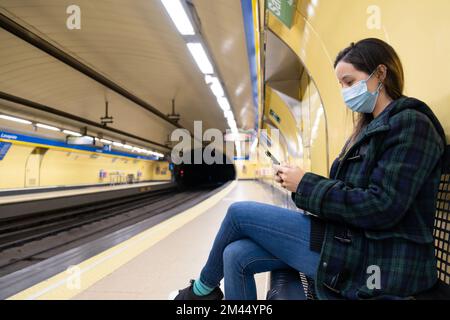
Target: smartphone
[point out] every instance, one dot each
(274, 160)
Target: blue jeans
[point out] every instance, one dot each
(255, 238)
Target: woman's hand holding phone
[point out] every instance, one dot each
(278, 178)
(288, 176)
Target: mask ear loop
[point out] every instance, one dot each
(380, 84)
(371, 75)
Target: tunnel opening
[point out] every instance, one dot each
(192, 175)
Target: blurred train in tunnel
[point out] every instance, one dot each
(189, 174)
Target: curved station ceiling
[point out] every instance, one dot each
(135, 45)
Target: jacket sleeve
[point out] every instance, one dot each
(411, 150)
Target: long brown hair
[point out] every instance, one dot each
(366, 55)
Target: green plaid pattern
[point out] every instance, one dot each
(379, 205)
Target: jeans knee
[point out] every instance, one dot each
(230, 252)
(237, 209)
(232, 256)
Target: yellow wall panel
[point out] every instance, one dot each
(69, 168)
(246, 170)
(418, 30)
(12, 167)
(161, 171)
(318, 155)
(63, 168)
(288, 123)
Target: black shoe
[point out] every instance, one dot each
(188, 294)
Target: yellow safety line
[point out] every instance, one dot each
(77, 279)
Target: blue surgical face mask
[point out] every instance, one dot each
(359, 99)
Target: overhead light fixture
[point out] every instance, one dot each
(45, 126)
(72, 133)
(209, 79)
(140, 150)
(118, 144)
(224, 104)
(179, 16)
(215, 86)
(200, 57)
(128, 147)
(104, 141)
(155, 154)
(229, 115)
(231, 123)
(9, 118)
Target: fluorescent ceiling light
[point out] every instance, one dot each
(224, 104)
(88, 139)
(200, 57)
(139, 150)
(153, 153)
(231, 123)
(215, 86)
(128, 147)
(104, 141)
(209, 79)
(229, 115)
(72, 133)
(45, 126)
(217, 89)
(5, 117)
(118, 144)
(179, 17)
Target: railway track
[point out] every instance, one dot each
(35, 238)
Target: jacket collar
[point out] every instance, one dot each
(381, 123)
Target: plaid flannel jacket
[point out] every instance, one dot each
(378, 207)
